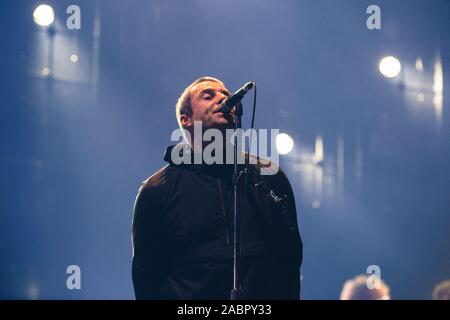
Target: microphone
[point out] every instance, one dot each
(235, 98)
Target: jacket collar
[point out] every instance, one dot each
(183, 148)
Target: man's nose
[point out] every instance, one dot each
(222, 97)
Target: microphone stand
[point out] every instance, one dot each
(236, 292)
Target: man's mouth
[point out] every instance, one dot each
(221, 111)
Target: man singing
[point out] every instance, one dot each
(182, 229)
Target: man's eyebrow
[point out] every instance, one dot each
(207, 90)
(211, 91)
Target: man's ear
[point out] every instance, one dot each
(185, 121)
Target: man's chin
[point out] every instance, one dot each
(221, 125)
(223, 121)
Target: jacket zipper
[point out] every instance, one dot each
(224, 212)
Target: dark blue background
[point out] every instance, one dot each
(76, 145)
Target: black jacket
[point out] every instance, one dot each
(182, 235)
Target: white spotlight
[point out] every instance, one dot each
(420, 97)
(43, 15)
(316, 204)
(45, 71)
(284, 143)
(390, 67)
(74, 58)
(33, 291)
(419, 64)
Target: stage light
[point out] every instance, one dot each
(32, 291)
(390, 67)
(43, 15)
(284, 143)
(316, 204)
(438, 87)
(317, 156)
(74, 58)
(438, 77)
(45, 71)
(419, 64)
(420, 97)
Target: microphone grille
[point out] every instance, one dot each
(249, 85)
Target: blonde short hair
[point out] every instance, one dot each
(183, 105)
(356, 289)
(442, 291)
